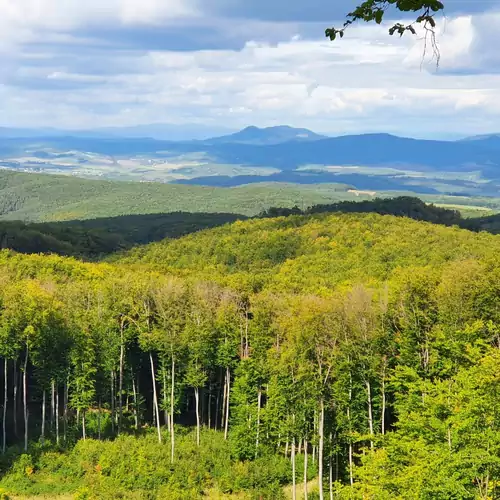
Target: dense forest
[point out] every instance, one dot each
(308, 356)
(93, 239)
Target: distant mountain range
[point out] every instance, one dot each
(281, 154)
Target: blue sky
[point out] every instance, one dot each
(231, 63)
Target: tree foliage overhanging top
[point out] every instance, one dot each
(375, 11)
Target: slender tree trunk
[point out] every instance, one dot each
(57, 416)
(259, 402)
(226, 423)
(330, 471)
(42, 437)
(5, 401)
(331, 479)
(99, 409)
(16, 430)
(370, 412)
(120, 385)
(321, 447)
(217, 404)
(294, 485)
(155, 396)
(166, 416)
(25, 400)
(210, 406)
(305, 468)
(351, 476)
(384, 403)
(66, 400)
(172, 408)
(112, 383)
(136, 417)
(197, 399)
(52, 405)
(84, 429)
(224, 398)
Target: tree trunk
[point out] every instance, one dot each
(112, 402)
(226, 423)
(294, 485)
(321, 446)
(351, 476)
(384, 402)
(370, 411)
(99, 420)
(42, 437)
(66, 400)
(25, 400)
(172, 408)
(5, 400)
(16, 430)
(210, 406)
(57, 416)
(84, 430)
(155, 397)
(166, 416)
(52, 405)
(197, 399)
(120, 385)
(305, 468)
(136, 417)
(259, 402)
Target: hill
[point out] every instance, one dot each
(306, 253)
(226, 376)
(35, 197)
(269, 135)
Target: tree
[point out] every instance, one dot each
(376, 10)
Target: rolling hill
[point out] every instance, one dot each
(37, 197)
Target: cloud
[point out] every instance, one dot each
(216, 63)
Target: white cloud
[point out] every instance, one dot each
(367, 81)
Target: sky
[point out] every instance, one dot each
(215, 64)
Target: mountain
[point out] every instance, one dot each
(270, 135)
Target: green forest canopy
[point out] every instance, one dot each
(359, 347)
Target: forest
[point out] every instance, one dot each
(327, 355)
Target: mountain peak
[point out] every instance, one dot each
(269, 135)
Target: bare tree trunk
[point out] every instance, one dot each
(16, 430)
(25, 400)
(210, 406)
(52, 405)
(351, 477)
(294, 485)
(384, 402)
(57, 416)
(224, 397)
(172, 408)
(66, 400)
(259, 402)
(84, 430)
(217, 404)
(42, 437)
(136, 417)
(166, 416)
(330, 471)
(305, 468)
(226, 423)
(112, 379)
(321, 446)
(370, 411)
(197, 399)
(155, 397)
(120, 385)
(5, 400)
(99, 410)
